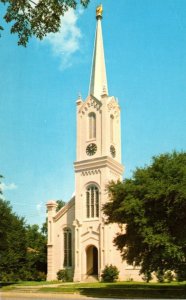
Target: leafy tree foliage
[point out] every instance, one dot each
(36, 242)
(37, 249)
(152, 205)
(22, 247)
(36, 18)
(13, 243)
(60, 204)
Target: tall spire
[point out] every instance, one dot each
(98, 80)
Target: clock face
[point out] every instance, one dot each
(91, 149)
(112, 151)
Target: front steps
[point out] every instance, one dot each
(91, 278)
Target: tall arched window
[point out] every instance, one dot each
(92, 125)
(112, 128)
(92, 201)
(67, 247)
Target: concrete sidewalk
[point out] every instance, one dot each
(36, 295)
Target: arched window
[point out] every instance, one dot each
(67, 247)
(92, 125)
(92, 201)
(112, 128)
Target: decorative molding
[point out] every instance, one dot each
(113, 106)
(91, 101)
(100, 162)
(91, 172)
(77, 223)
(90, 234)
(90, 230)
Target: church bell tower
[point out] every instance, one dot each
(98, 161)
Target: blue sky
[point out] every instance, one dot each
(145, 44)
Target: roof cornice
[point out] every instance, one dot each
(100, 162)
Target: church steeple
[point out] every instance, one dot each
(98, 80)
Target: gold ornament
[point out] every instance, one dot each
(99, 11)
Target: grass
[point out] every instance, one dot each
(120, 290)
(8, 286)
(123, 290)
(34, 283)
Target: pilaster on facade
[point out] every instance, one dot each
(51, 207)
(77, 265)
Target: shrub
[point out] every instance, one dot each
(147, 276)
(181, 273)
(63, 275)
(169, 276)
(31, 275)
(9, 277)
(129, 279)
(160, 276)
(40, 276)
(110, 273)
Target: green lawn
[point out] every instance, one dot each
(122, 290)
(111, 290)
(36, 283)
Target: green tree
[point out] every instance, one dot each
(13, 243)
(36, 18)
(36, 243)
(23, 252)
(60, 204)
(152, 205)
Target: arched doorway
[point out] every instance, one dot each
(92, 260)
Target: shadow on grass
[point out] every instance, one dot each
(147, 286)
(3, 284)
(123, 292)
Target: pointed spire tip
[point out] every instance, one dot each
(99, 12)
(98, 77)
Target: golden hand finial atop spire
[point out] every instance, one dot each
(99, 11)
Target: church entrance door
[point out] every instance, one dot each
(92, 260)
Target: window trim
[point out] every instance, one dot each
(67, 247)
(91, 126)
(92, 202)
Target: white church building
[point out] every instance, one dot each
(78, 238)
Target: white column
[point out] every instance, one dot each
(51, 208)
